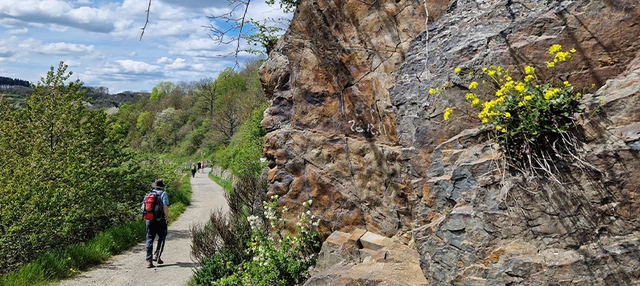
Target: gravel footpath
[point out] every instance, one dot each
(129, 267)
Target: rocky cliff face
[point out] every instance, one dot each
(332, 129)
(352, 126)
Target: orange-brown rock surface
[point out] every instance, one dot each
(352, 126)
(332, 134)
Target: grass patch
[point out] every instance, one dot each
(226, 185)
(70, 261)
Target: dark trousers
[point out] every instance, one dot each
(155, 228)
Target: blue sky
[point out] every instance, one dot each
(100, 40)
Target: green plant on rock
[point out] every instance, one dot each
(529, 118)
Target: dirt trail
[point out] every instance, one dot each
(129, 268)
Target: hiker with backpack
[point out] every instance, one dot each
(155, 210)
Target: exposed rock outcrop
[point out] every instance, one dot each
(351, 125)
(366, 258)
(332, 134)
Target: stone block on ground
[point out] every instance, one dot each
(378, 261)
(374, 241)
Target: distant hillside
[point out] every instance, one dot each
(99, 97)
(7, 82)
(16, 90)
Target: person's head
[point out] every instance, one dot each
(158, 184)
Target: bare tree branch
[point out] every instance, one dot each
(262, 34)
(223, 36)
(147, 21)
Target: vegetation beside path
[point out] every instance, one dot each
(68, 262)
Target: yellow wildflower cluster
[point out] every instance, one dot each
(558, 55)
(519, 111)
(447, 113)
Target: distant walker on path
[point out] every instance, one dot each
(193, 170)
(156, 202)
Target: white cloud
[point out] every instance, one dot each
(18, 31)
(57, 13)
(136, 66)
(66, 49)
(178, 64)
(164, 60)
(99, 40)
(259, 11)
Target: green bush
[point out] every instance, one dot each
(218, 266)
(246, 147)
(67, 174)
(272, 256)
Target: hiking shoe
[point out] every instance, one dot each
(149, 264)
(155, 257)
(160, 261)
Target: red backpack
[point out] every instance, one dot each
(152, 207)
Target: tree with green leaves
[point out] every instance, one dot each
(206, 91)
(161, 89)
(65, 171)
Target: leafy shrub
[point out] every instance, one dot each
(530, 119)
(223, 240)
(250, 246)
(246, 147)
(279, 257)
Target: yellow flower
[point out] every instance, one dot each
(470, 96)
(491, 73)
(457, 70)
(508, 85)
(521, 103)
(498, 127)
(447, 113)
(475, 102)
(473, 85)
(548, 94)
(485, 120)
(561, 57)
(520, 87)
(529, 70)
(554, 49)
(573, 51)
(527, 98)
(432, 91)
(528, 78)
(551, 64)
(566, 83)
(507, 115)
